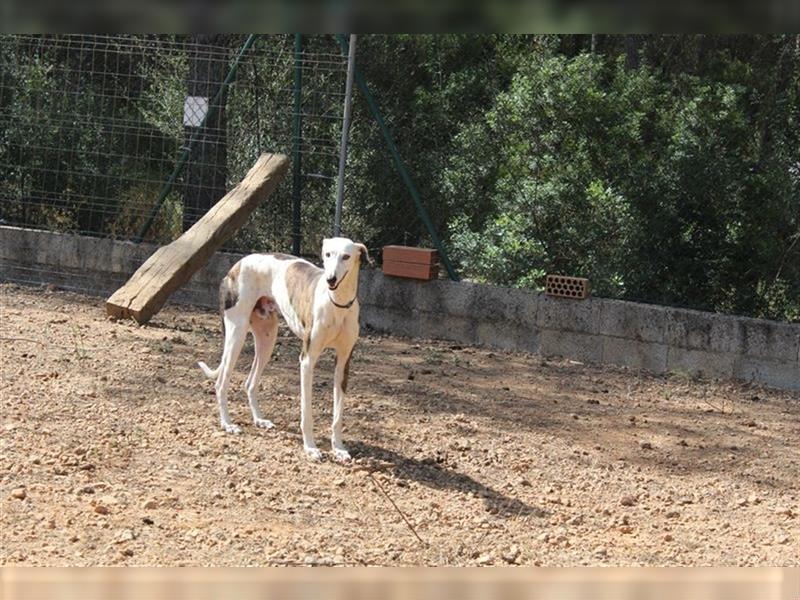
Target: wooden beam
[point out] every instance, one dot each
(171, 266)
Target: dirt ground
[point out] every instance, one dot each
(112, 454)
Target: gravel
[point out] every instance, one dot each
(112, 455)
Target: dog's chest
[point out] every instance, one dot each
(333, 322)
(332, 319)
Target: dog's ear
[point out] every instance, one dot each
(365, 254)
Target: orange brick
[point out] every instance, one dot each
(410, 270)
(563, 286)
(410, 254)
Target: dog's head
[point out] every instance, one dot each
(339, 257)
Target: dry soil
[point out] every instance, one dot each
(112, 454)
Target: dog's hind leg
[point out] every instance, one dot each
(235, 334)
(265, 332)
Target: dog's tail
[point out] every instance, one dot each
(210, 373)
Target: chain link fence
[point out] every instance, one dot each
(136, 136)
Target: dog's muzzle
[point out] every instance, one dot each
(333, 284)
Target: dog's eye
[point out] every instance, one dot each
(327, 255)
(346, 257)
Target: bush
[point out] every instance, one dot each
(658, 189)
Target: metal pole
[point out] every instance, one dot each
(401, 168)
(297, 132)
(348, 105)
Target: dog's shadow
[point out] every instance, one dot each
(436, 475)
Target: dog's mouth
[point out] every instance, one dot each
(333, 286)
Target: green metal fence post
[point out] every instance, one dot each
(398, 161)
(297, 233)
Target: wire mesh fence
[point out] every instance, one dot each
(136, 136)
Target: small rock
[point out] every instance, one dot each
(461, 445)
(600, 552)
(626, 529)
(543, 537)
(784, 510)
(511, 555)
(101, 509)
(673, 514)
(628, 500)
(340, 483)
(19, 493)
(753, 499)
(147, 520)
(576, 520)
(126, 535)
(782, 538)
(149, 504)
(485, 559)
(574, 416)
(107, 500)
(668, 538)
(646, 446)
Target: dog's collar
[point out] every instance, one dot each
(335, 303)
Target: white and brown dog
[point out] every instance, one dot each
(320, 306)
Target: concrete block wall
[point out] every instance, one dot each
(96, 266)
(598, 330)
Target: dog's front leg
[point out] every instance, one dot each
(340, 377)
(307, 362)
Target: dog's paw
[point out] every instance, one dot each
(231, 428)
(313, 453)
(265, 423)
(341, 454)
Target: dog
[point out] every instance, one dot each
(320, 306)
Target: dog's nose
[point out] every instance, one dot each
(331, 280)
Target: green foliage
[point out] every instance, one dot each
(665, 168)
(678, 189)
